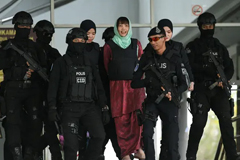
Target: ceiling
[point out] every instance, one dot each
(9, 7)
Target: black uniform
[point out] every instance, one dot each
(44, 31)
(76, 83)
(50, 132)
(170, 64)
(205, 74)
(178, 47)
(216, 99)
(21, 93)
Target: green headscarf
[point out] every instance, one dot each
(123, 42)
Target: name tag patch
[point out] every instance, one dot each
(81, 80)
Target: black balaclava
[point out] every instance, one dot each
(24, 19)
(206, 18)
(44, 37)
(44, 30)
(76, 48)
(165, 23)
(76, 52)
(87, 25)
(22, 33)
(208, 33)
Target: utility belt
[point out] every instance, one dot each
(143, 114)
(69, 100)
(203, 86)
(198, 108)
(22, 84)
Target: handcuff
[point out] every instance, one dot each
(105, 108)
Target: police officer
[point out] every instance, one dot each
(22, 87)
(76, 83)
(167, 62)
(205, 74)
(167, 25)
(44, 31)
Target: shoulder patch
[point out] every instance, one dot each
(136, 68)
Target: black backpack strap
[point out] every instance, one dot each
(134, 43)
(111, 44)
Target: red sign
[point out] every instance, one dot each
(9, 33)
(197, 10)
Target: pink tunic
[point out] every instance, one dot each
(124, 99)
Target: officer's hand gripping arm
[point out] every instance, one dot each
(137, 81)
(105, 115)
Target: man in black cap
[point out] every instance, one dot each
(22, 88)
(161, 62)
(76, 83)
(201, 52)
(167, 25)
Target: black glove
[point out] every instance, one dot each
(53, 114)
(105, 115)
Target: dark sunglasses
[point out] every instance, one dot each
(155, 38)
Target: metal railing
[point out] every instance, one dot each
(220, 149)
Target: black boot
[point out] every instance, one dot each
(28, 154)
(101, 157)
(56, 158)
(17, 153)
(191, 158)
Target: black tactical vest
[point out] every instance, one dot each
(123, 62)
(199, 48)
(81, 82)
(18, 63)
(167, 66)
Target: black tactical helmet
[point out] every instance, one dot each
(22, 18)
(206, 18)
(44, 26)
(76, 33)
